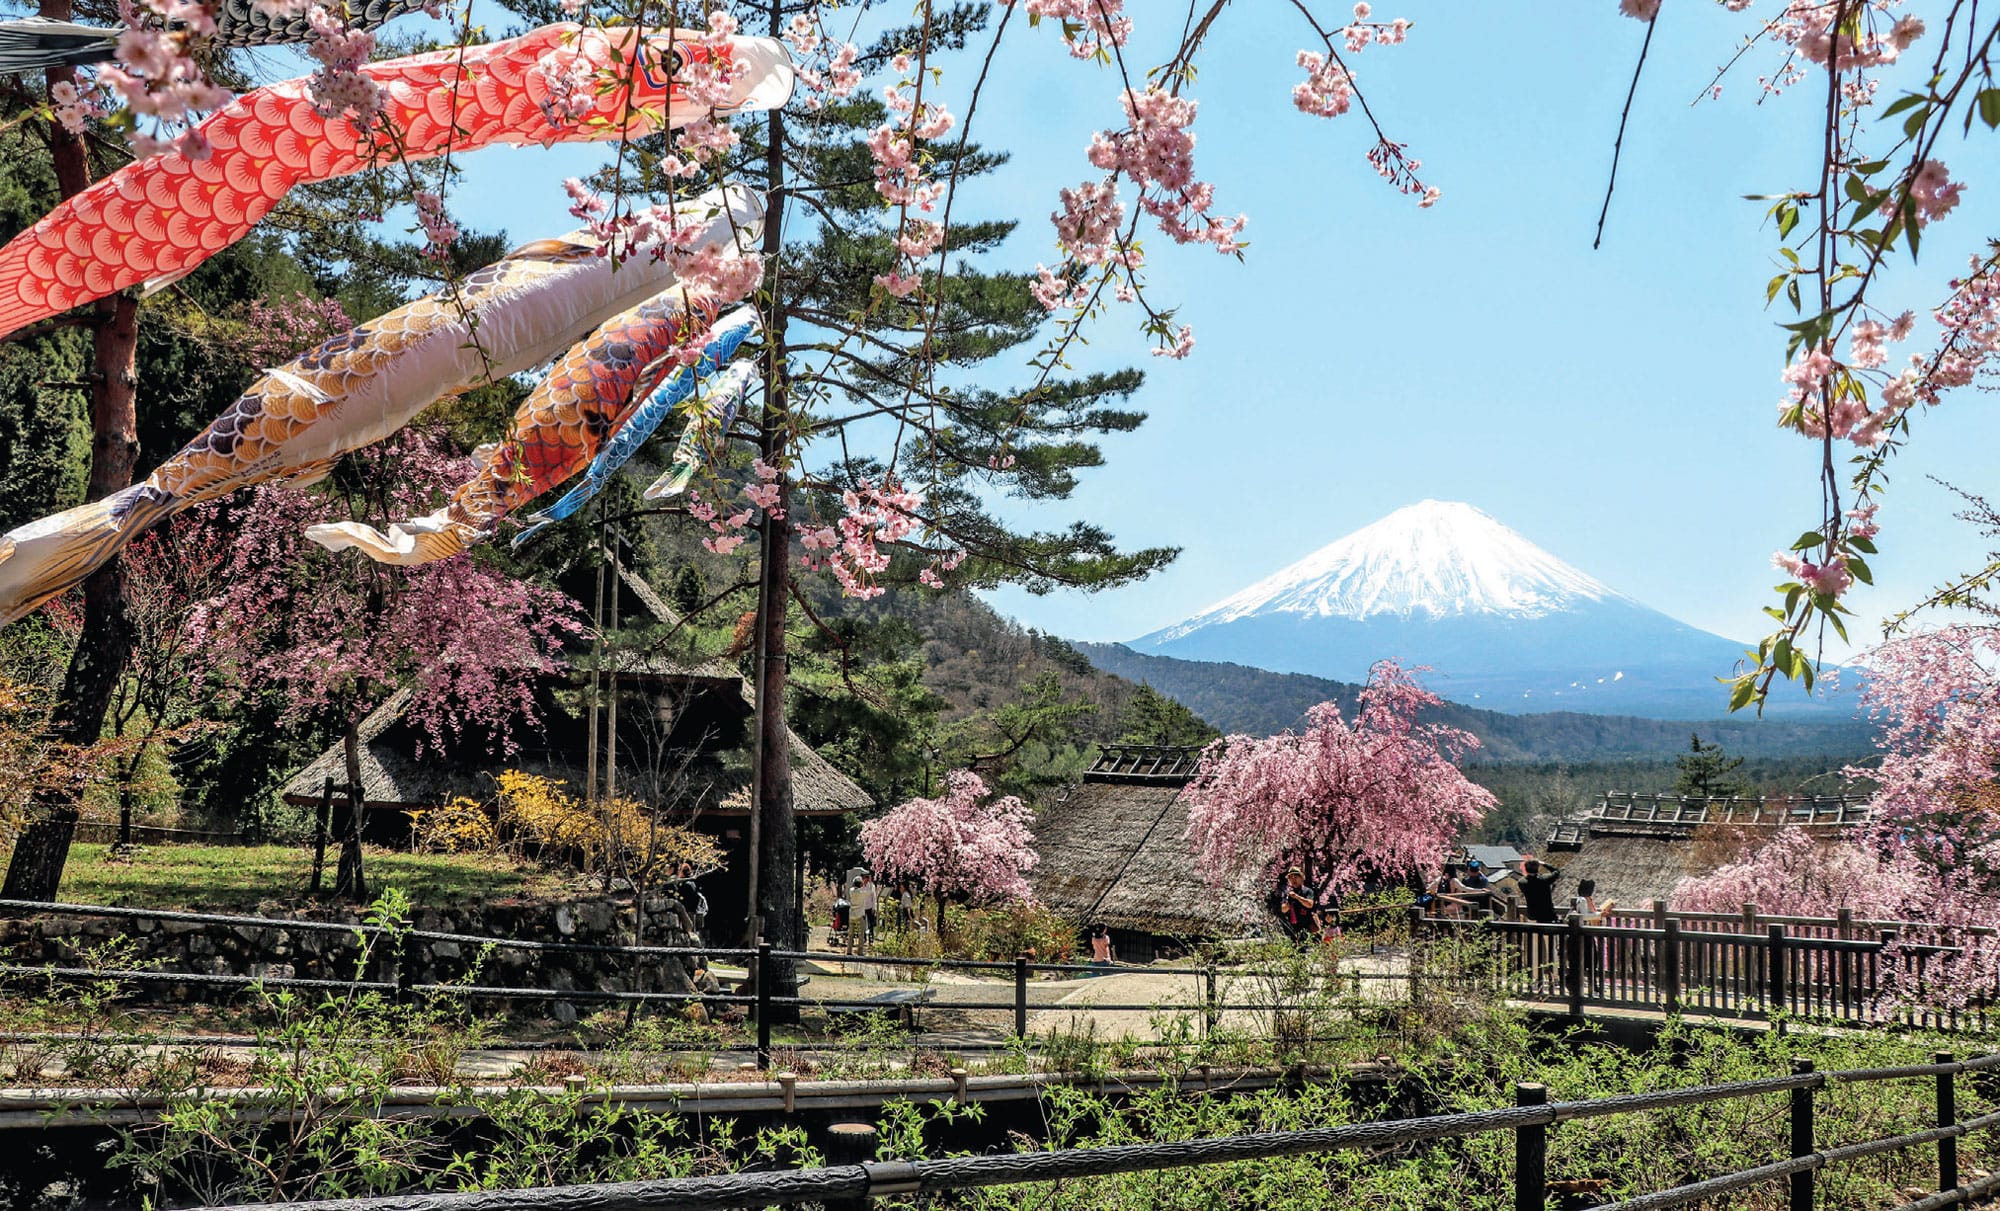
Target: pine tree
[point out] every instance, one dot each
(1153, 718)
(1706, 772)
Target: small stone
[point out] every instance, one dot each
(565, 1013)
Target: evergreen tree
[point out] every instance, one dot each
(1705, 771)
(1153, 718)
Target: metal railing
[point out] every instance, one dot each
(855, 1185)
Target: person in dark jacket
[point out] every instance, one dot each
(1297, 912)
(1538, 891)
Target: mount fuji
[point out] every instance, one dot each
(1502, 624)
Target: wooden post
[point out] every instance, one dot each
(849, 1144)
(1670, 966)
(1212, 1011)
(1947, 1115)
(1749, 918)
(1021, 996)
(761, 974)
(1416, 955)
(1573, 949)
(1531, 1151)
(1846, 919)
(1802, 1138)
(1659, 914)
(322, 821)
(1775, 973)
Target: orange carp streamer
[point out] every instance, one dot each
(157, 219)
(557, 430)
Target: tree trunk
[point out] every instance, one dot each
(776, 909)
(106, 639)
(349, 880)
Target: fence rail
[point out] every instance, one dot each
(856, 1185)
(1776, 973)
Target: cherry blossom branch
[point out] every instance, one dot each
(1625, 115)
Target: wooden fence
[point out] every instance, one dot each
(1806, 968)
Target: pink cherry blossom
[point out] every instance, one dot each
(1376, 799)
(961, 846)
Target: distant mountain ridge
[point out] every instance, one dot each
(1238, 698)
(1503, 624)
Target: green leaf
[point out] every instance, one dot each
(1989, 107)
(1792, 293)
(1806, 673)
(1859, 568)
(1915, 122)
(1871, 167)
(1866, 545)
(1902, 103)
(1808, 540)
(1788, 218)
(1746, 689)
(1839, 627)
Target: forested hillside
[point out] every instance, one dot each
(1237, 698)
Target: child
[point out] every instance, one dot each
(1100, 945)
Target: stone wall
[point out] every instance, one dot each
(270, 950)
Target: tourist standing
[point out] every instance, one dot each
(1297, 913)
(1538, 891)
(867, 899)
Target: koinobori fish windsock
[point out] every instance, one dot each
(681, 382)
(706, 430)
(557, 430)
(363, 385)
(159, 218)
(37, 43)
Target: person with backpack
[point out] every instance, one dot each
(1293, 905)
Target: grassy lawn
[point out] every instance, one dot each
(238, 877)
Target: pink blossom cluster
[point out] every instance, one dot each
(337, 86)
(851, 548)
(1831, 578)
(73, 107)
(1394, 166)
(439, 231)
(962, 846)
(275, 331)
(831, 76)
(157, 77)
(1969, 322)
(709, 271)
(902, 178)
(1933, 191)
(708, 78)
(1811, 28)
(1378, 798)
(1156, 152)
(569, 82)
(1640, 10)
(1937, 697)
(1089, 26)
(726, 528)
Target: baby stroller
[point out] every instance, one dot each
(837, 939)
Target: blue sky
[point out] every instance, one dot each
(1615, 406)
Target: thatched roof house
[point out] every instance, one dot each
(1113, 849)
(1636, 847)
(683, 748)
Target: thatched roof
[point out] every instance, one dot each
(1114, 849)
(393, 776)
(709, 765)
(1630, 868)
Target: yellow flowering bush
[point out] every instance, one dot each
(611, 836)
(461, 826)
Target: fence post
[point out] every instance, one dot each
(760, 975)
(1947, 1115)
(322, 820)
(1749, 918)
(1573, 952)
(1670, 965)
(1213, 1012)
(1416, 955)
(1802, 1138)
(1659, 914)
(1021, 996)
(1845, 921)
(1775, 972)
(1531, 1152)
(850, 1144)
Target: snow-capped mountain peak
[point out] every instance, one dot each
(1432, 559)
